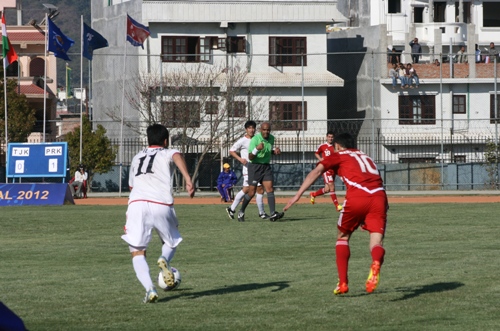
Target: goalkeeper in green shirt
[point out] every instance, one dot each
(259, 170)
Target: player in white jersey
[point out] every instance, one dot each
(151, 206)
(241, 147)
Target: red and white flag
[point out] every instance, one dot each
(9, 54)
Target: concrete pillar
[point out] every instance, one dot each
(471, 49)
(431, 11)
(461, 11)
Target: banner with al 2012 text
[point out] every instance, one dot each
(35, 194)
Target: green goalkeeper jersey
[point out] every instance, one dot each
(264, 155)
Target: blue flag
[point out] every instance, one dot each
(92, 40)
(136, 32)
(57, 42)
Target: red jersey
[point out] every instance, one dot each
(325, 150)
(358, 172)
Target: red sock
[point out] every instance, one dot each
(378, 253)
(334, 199)
(321, 191)
(343, 254)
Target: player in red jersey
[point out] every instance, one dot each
(365, 205)
(325, 150)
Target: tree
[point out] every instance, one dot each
(199, 104)
(20, 118)
(491, 157)
(98, 155)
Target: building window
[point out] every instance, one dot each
(459, 158)
(186, 49)
(459, 106)
(37, 67)
(286, 51)
(236, 44)
(212, 107)
(239, 108)
(287, 116)
(492, 107)
(439, 12)
(394, 6)
(417, 109)
(491, 14)
(181, 114)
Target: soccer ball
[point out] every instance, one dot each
(177, 279)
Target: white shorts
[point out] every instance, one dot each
(143, 217)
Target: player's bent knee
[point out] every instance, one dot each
(136, 251)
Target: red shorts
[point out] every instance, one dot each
(328, 176)
(369, 212)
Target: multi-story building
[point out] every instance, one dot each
(450, 116)
(260, 60)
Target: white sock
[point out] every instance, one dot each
(168, 252)
(237, 200)
(260, 203)
(142, 271)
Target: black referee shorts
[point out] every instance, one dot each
(258, 173)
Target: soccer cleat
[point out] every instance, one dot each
(313, 198)
(230, 213)
(168, 276)
(151, 296)
(341, 288)
(339, 207)
(373, 277)
(241, 216)
(276, 216)
(264, 216)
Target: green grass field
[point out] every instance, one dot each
(66, 268)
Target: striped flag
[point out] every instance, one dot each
(9, 54)
(136, 32)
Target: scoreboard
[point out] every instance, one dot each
(37, 159)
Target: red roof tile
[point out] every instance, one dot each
(33, 89)
(22, 36)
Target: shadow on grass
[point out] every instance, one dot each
(232, 289)
(415, 291)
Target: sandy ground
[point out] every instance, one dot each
(320, 200)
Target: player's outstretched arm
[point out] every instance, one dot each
(181, 164)
(310, 179)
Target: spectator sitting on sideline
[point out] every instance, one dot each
(80, 176)
(225, 182)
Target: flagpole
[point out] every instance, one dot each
(45, 80)
(81, 87)
(121, 124)
(5, 108)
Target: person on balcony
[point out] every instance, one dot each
(462, 56)
(416, 50)
(479, 58)
(412, 76)
(492, 53)
(393, 73)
